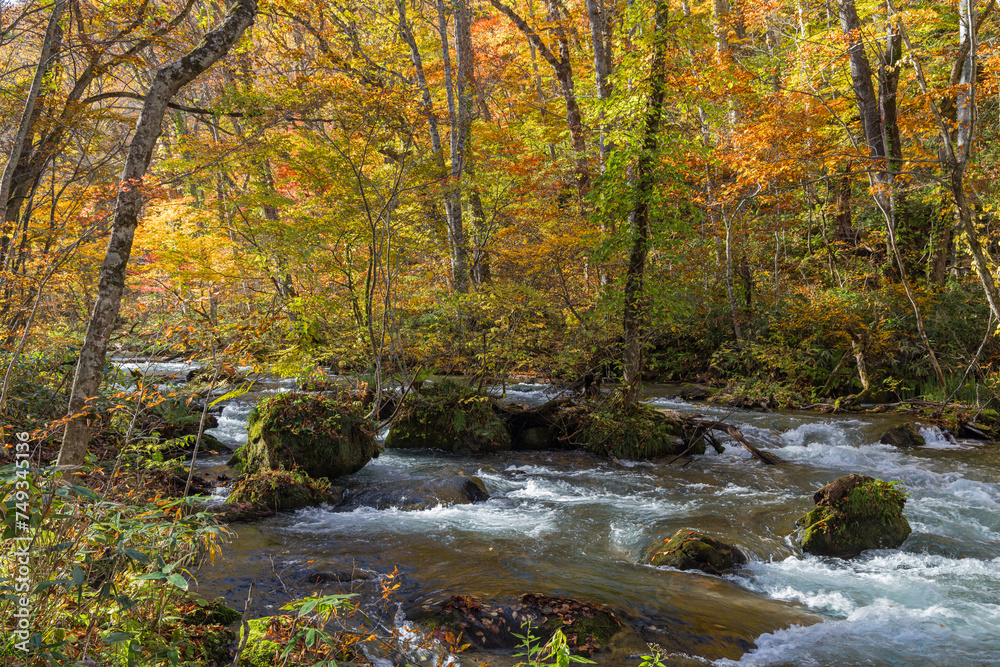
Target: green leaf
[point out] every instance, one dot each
(308, 606)
(117, 637)
(78, 576)
(178, 580)
(84, 491)
(152, 575)
(136, 555)
(235, 393)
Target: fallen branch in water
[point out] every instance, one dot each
(736, 435)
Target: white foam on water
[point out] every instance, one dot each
(490, 517)
(920, 606)
(884, 633)
(232, 428)
(152, 367)
(935, 438)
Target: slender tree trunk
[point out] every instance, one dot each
(602, 69)
(563, 69)
(457, 137)
(639, 227)
(166, 83)
(48, 55)
(734, 310)
(843, 230)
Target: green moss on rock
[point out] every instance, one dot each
(690, 550)
(323, 436)
(641, 433)
(449, 416)
(261, 649)
(282, 490)
(855, 513)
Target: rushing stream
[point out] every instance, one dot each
(570, 524)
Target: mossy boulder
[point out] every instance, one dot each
(323, 436)
(854, 513)
(282, 490)
(450, 416)
(903, 436)
(494, 625)
(640, 432)
(691, 550)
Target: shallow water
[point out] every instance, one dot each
(575, 525)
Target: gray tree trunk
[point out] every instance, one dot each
(166, 83)
(49, 51)
(457, 138)
(563, 69)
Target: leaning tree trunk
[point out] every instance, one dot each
(166, 83)
(634, 315)
(50, 47)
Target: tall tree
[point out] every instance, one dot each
(881, 133)
(166, 83)
(639, 217)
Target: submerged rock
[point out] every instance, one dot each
(493, 625)
(319, 434)
(417, 494)
(276, 490)
(697, 392)
(448, 416)
(690, 550)
(200, 379)
(903, 436)
(854, 513)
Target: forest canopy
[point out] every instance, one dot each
(792, 200)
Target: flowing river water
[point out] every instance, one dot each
(575, 525)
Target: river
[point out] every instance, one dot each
(575, 525)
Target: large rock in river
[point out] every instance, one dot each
(417, 493)
(321, 435)
(903, 436)
(690, 550)
(450, 416)
(854, 513)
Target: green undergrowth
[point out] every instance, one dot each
(282, 490)
(306, 415)
(105, 579)
(448, 415)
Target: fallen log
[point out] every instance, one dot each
(735, 434)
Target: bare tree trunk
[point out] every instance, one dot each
(602, 68)
(734, 310)
(457, 138)
(878, 116)
(166, 83)
(635, 311)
